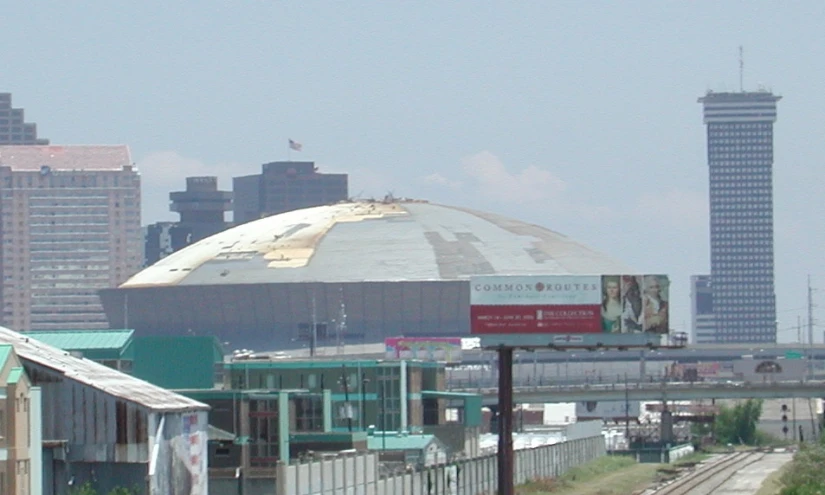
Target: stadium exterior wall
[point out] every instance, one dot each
(277, 316)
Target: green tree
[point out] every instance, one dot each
(88, 489)
(737, 425)
(84, 489)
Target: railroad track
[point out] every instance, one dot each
(710, 477)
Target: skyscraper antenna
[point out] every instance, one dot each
(741, 69)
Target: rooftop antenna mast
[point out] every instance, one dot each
(741, 69)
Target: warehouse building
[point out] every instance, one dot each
(101, 426)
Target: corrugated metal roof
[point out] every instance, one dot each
(64, 158)
(218, 435)
(77, 340)
(98, 376)
(368, 241)
(5, 352)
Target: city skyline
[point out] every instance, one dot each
(597, 137)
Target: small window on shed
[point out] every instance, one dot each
(121, 423)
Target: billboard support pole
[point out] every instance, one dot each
(505, 421)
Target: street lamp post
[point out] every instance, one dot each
(347, 406)
(364, 382)
(383, 413)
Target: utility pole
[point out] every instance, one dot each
(626, 410)
(810, 330)
(314, 335)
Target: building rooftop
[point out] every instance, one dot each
(85, 340)
(5, 352)
(97, 375)
(65, 158)
(731, 96)
(375, 242)
(15, 374)
(396, 441)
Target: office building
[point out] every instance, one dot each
(740, 162)
(201, 207)
(285, 186)
(70, 227)
(13, 128)
(703, 327)
(162, 239)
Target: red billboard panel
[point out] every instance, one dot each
(571, 304)
(535, 319)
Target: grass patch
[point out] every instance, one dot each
(598, 468)
(772, 485)
(694, 458)
(608, 475)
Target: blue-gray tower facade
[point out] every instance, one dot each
(740, 162)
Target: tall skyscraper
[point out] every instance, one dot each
(70, 227)
(285, 186)
(740, 162)
(702, 321)
(13, 128)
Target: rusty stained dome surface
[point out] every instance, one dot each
(375, 241)
(98, 376)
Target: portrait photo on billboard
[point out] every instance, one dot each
(611, 308)
(655, 307)
(632, 315)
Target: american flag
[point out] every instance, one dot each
(295, 145)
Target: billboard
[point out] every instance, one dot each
(695, 371)
(569, 304)
(607, 410)
(759, 370)
(424, 348)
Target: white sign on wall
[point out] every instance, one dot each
(607, 410)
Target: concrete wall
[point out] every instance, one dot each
(357, 474)
(251, 486)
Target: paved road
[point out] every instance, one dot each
(747, 480)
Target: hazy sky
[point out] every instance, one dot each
(578, 116)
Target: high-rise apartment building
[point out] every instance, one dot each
(13, 128)
(70, 227)
(285, 186)
(740, 162)
(703, 325)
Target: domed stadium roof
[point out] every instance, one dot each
(375, 241)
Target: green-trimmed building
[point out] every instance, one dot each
(330, 405)
(386, 395)
(173, 362)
